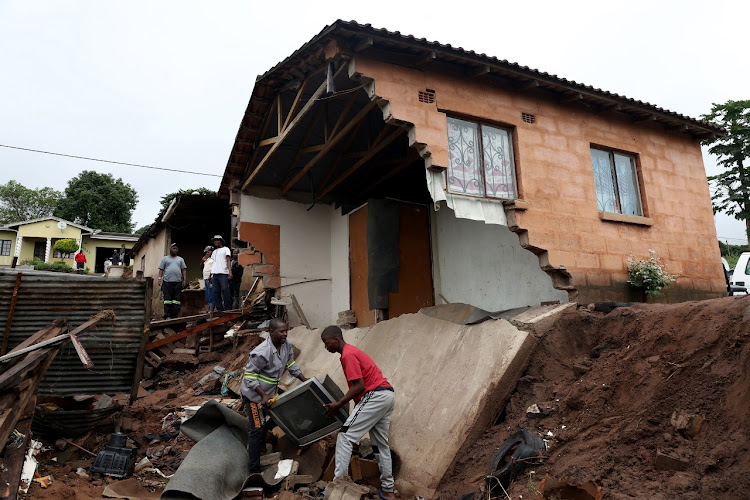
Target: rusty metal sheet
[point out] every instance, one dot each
(113, 346)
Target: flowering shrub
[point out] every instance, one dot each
(649, 274)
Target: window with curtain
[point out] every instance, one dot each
(616, 180)
(5, 247)
(480, 160)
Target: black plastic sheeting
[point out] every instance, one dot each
(382, 251)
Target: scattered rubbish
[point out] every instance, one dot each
(44, 481)
(519, 451)
(116, 459)
(343, 488)
(554, 489)
(82, 472)
(285, 468)
(669, 461)
(129, 489)
(29, 466)
(688, 424)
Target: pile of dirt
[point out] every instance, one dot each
(608, 385)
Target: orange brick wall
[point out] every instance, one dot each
(555, 177)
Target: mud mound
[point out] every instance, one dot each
(609, 415)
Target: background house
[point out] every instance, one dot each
(383, 173)
(36, 239)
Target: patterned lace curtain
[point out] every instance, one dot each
(499, 178)
(464, 169)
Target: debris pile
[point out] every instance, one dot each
(648, 401)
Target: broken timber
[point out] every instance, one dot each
(11, 309)
(196, 329)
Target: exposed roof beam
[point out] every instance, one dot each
(293, 109)
(366, 43)
(572, 98)
(342, 154)
(329, 145)
(266, 142)
(375, 150)
(292, 125)
(484, 70)
(343, 115)
(647, 118)
(410, 158)
(427, 59)
(310, 130)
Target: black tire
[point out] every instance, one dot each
(512, 457)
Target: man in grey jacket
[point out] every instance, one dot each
(265, 366)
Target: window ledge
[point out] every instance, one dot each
(630, 219)
(517, 205)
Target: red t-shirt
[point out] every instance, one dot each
(356, 365)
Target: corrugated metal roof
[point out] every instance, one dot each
(309, 55)
(113, 346)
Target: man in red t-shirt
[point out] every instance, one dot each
(374, 398)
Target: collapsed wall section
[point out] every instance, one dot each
(451, 382)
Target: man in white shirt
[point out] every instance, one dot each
(208, 262)
(221, 273)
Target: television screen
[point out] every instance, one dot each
(301, 414)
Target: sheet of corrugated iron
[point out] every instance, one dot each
(113, 346)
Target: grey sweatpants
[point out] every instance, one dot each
(372, 414)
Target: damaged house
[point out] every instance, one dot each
(381, 173)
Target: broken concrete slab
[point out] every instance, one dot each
(539, 319)
(343, 488)
(421, 356)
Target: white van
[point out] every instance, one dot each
(741, 274)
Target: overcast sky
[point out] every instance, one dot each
(165, 83)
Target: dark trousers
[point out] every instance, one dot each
(234, 289)
(172, 291)
(79, 265)
(220, 286)
(256, 438)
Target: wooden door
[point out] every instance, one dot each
(415, 265)
(358, 273)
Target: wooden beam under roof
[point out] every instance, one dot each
(292, 125)
(363, 44)
(343, 154)
(375, 150)
(329, 145)
(410, 158)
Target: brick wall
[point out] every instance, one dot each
(555, 178)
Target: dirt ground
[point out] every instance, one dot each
(609, 422)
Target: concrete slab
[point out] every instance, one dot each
(539, 319)
(451, 383)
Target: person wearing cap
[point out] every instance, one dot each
(221, 273)
(172, 279)
(207, 262)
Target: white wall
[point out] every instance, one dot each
(310, 248)
(485, 266)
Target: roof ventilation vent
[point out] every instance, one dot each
(427, 96)
(528, 117)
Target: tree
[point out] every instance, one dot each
(19, 203)
(732, 186)
(167, 198)
(66, 246)
(98, 201)
(141, 229)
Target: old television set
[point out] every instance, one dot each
(300, 412)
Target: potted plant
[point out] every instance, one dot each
(648, 275)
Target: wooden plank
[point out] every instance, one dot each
(194, 330)
(81, 351)
(266, 142)
(11, 310)
(299, 311)
(335, 140)
(43, 334)
(138, 374)
(343, 114)
(15, 455)
(13, 375)
(292, 125)
(375, 150)
(308, 134)
(293, 109)
(174, 321)
(342, 154)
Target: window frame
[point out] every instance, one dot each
(480, 147)
(636, 166)
(2, 246)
